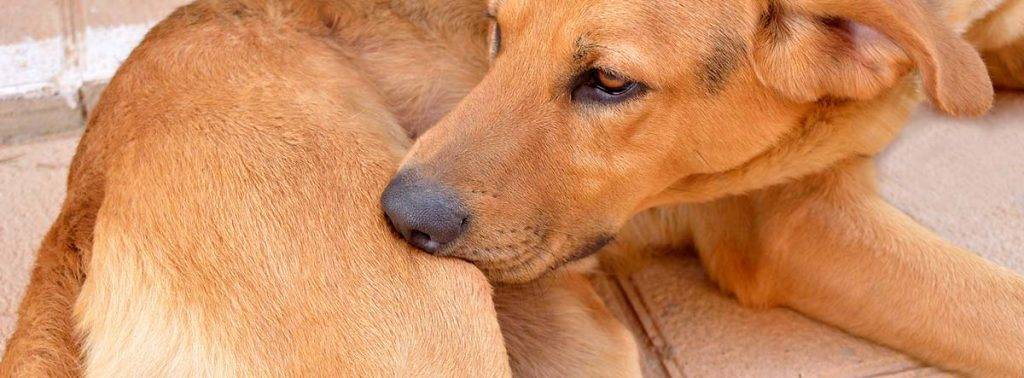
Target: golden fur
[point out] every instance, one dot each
(563, 330)
(222, 213)
(755, 135)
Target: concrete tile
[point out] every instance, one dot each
(921, 372)
(964, 178)
(32, 187)
(708, 334)
(23, 119)
(651, 363)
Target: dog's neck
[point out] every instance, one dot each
(829, 134)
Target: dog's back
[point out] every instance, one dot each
(229, 132)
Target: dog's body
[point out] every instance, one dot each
(222, 216)
(211, 220)
(222, 195)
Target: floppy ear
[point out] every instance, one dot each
(811, 49)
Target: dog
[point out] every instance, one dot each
(749, 127)
(222, 214)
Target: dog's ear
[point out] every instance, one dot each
(811, 49)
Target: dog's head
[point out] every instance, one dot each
(594, 109)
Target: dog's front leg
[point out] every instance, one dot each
(557, 326)
(829, 247)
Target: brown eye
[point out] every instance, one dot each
(600, 86)
(610, 81)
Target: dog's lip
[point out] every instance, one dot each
(504, 262)
(537, 265)
(530, 263)
(530, 270)
(520, 273)
(509, 268)
(590, 248)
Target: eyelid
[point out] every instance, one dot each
(596, 57)
(622, 62)
(647, 85)
(622, 76)
(613, 72)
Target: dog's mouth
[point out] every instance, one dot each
(520, 266)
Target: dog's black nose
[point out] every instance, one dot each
(426, 213)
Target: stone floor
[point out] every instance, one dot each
(962, 178)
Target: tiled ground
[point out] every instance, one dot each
(962, 178)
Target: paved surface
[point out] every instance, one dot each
(962, 178)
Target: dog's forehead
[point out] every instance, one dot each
(639, 19)
(701, 37)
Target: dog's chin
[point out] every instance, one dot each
(517, 274)
(530, 265)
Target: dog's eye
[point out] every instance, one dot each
(604, 87)
(495, 39)
(610, 82)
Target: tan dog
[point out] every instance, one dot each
(222, 214)
(756, 120)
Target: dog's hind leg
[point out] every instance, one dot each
(830, 247)
(44, 343)
(557, 326)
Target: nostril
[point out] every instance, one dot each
(428, 214)
(423, 241)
